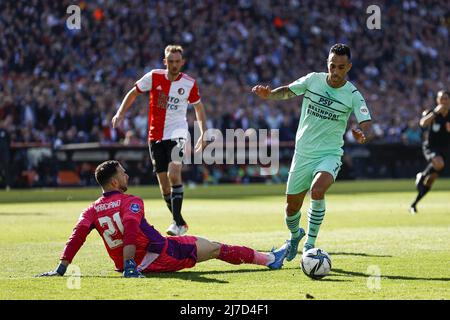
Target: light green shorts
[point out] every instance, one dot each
(304, 169)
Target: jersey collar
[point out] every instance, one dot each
(110, 193)
(166, 74)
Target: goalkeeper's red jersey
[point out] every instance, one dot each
(120, 220)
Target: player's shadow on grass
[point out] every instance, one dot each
(355, 254)
(364, 275)
(358, 254)
(199, 276)
(188, 276)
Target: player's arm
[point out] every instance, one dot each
(129, 252)
(124, 106)
(142, 85)
(200, 115)
(364, 133)
(429, 116)
(280, 93)
(73, 245)
(59, 271)
(129, 264)
(294, 89)
(133, 212)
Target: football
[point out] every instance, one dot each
(316, 263)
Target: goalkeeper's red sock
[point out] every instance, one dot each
(240, 254)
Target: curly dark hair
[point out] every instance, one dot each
(341, 49)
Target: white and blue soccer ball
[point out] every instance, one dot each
(316, 263)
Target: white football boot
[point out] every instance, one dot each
(176, 230)
(173, 229)
(183, 229)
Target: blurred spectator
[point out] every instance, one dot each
(131, 138)
(78, 77)
(61, 86)
(86, 173)
(286, 129)
(413, 134)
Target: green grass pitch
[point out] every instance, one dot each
(378, 250)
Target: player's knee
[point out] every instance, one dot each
(317, 192)
(215, 249)
(174, 177)
(292, 208)
(439, 165)
(165, 190)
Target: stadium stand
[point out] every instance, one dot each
(61, 86)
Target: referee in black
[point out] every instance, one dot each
(435, 124)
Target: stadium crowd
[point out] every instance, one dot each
(62, 86)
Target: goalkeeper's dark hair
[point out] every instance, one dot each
(105, 171)
(341, 49)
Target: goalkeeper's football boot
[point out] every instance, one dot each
(413, 209)
(280, 255)
(293, 248)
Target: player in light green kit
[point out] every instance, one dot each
(329, 99)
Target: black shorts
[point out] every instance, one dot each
(165, 151)
(430, 153)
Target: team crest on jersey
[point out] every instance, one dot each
(364, 110)
(135, 207)
(181, 91)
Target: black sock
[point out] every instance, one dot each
(177, 201)
(423, 189)
(167, 199)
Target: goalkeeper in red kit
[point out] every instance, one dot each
(135, 246)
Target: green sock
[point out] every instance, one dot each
(293, 223)
(316, 214)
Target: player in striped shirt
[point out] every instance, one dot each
(170, 92)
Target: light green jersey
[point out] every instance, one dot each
(324, 116)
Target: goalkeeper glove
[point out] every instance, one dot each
(130, 270)
(59, 271)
